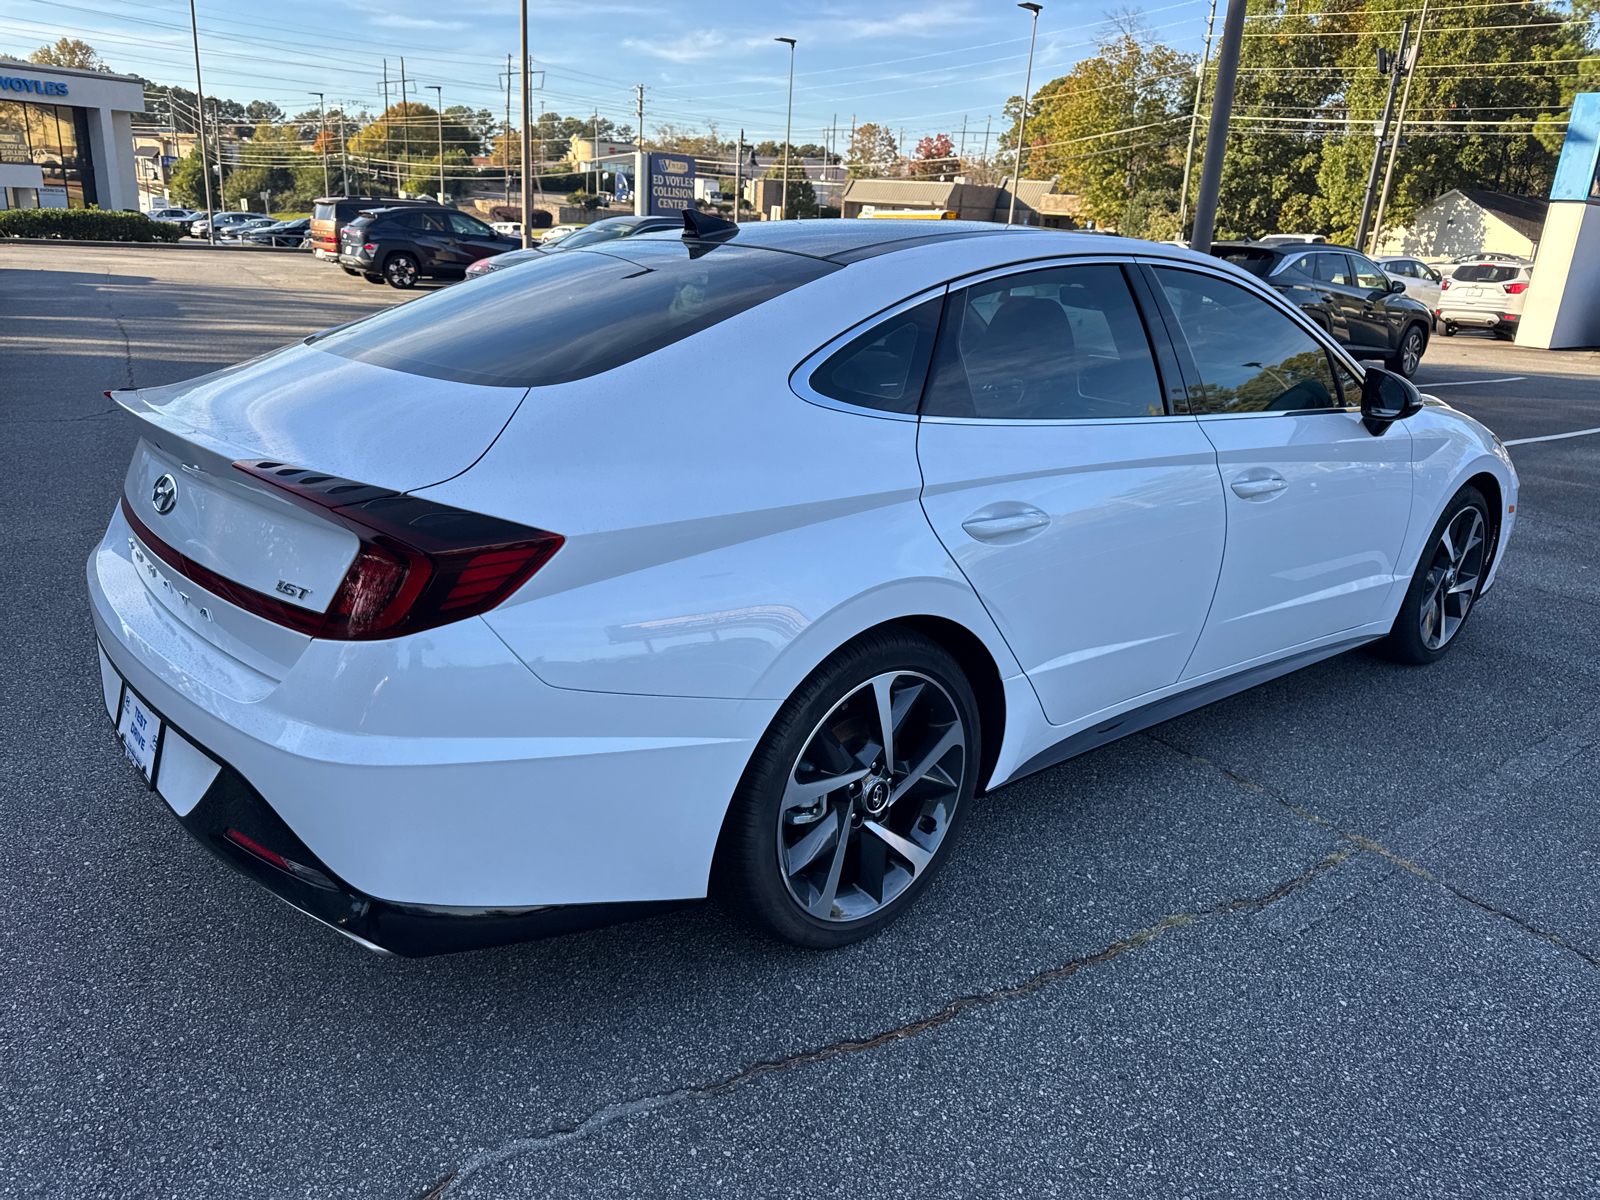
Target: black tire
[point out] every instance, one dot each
(1409, 638)
(747, 876)
(400, 270)
(350, 270)
(1449, 330)
(373, 278)
(1408, 355)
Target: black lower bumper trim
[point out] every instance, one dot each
(412, 930)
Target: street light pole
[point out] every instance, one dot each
(322, 122)
(1205, 205)
(1022, 130)
(1399, 128)
(200, 125)
(788, 125)
(1383, 131)
(438, 95)
(527, 137)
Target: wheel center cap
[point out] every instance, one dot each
(875, 797)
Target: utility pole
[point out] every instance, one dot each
(1022, 129)
(527, 137)
(738, 172)
(438, 113)
(344, 154)
(385, 114)
(322, 122)
(1194, 121)
(505, 145)
(788, 125)
(216, 133)
(1410, 66)
(1205, 207)
(200, 126)
(961, 152)
(641, 205)
(594, 154)
(405, 122)
(1390, 65)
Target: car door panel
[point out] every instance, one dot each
(1379, 323)
(1093, 541)
(1317, 507)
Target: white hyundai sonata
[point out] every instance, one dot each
(738, 562)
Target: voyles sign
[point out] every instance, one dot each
(671, 183)
(42, 87)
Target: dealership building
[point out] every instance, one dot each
(66, 137)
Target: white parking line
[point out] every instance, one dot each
(1469, 382)
(1553, 437)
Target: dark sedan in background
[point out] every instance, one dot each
(1347, 294)
(283, 233)
(605, 230)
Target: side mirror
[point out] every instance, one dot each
(1396, 285)
(1387, 398)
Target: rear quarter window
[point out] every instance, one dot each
(568, 316)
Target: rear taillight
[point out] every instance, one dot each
(370, 247)
(1444, 285)
(1516, 289)
(419, 564)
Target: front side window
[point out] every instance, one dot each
(884, 368)
(462, 224)
(1250, 356)
(1065, 343)
(562, 317)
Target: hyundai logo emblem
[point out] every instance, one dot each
(164, 496)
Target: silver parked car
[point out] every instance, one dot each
(1421, 281)
(1486, 294)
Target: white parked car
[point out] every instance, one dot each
(1485, 294)
(556, 232)
(509, 228)
(483, 617)
(1421, 281)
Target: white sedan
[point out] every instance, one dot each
(1421, 281)
(488, 617)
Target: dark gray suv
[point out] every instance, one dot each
(1347, 294)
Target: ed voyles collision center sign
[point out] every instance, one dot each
(671, 184)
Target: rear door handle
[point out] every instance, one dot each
(1247, 488)
(987, 529)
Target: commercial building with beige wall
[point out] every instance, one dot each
(66, 137)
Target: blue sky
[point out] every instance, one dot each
(917, 66)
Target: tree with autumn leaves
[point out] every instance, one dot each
(1488, 102)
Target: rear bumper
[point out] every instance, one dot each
(434, 778)
(1477, 318)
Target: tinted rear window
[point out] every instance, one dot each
(570, 316)
(1486, 274)
(322, 212)
(1257, 262)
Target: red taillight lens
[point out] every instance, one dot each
(369, 247)
(1444, 285)
(299, 870)
(1516, 289)
(419, 565)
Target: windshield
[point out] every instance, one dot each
(603, 231)
(569, 316)
(1257, 262)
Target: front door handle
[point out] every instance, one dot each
(988, 529)
(1248, 488)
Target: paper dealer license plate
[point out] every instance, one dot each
(140, 731)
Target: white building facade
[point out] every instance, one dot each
(66, 137)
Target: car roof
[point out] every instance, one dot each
(840, 240)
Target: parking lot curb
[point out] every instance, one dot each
(186, 245)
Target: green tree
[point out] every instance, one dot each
(874, 153)
(424, 180)
(187, 181)
(802, 196)
(69, 52)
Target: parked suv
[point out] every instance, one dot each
(329, 214)
(1422, 282)
(1347, 294)
(397, 245)
(1487, 294)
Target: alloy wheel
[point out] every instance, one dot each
(1453, 576)
(401, 271)
(1411, 352)
(870, 799)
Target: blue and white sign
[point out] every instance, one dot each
(671, 183)
(40, 87)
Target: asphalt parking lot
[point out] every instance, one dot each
(1337, 936)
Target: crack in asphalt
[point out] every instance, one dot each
(612, 1113)
(1367, 844)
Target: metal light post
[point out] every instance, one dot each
(200, 125)
(438, 112)
(1399, 127)
(322, 121)
(788, 124)
(527, 137)
(1022, 131)
(1205, 205)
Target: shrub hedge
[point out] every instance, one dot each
(85, 225)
